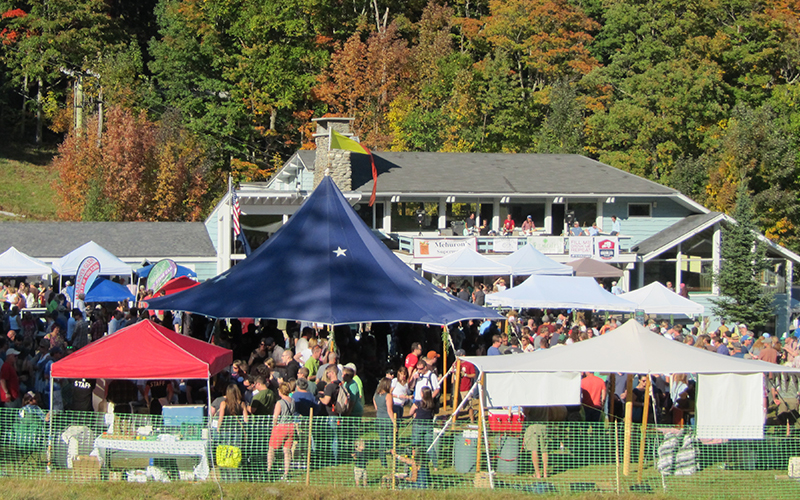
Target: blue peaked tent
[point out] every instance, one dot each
(104, 290)
(326, 266)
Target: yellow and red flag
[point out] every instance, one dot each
(338, 141)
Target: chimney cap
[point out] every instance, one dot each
(333, 119)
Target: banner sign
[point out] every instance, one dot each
(439, 247)
(606, 248)
(87, 273)
(548, 244)
(163, 271)
(504, 245)
(580, 247)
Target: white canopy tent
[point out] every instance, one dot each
(527, 261)
(552, 376)
(559, 292)
(15, 263)
(466, 262)
(110, 265)
(655, 298)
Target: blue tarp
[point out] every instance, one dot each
(104, 290)
(325, 265)
(144, 272)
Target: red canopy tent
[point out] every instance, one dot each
(144, 351)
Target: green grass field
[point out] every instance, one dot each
(26, 179)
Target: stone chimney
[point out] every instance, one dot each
(336, 161)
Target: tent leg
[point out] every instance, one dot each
(50, 429)
(308, 455)
(612, 384)
(444, 368)
(643, 429)
(626, 452)
(208, 391)
(616, 451)
(486, 438)
(480, 425)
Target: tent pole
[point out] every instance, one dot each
(616, 451)
(643, 429)
(394, 450)
(626, 438)
(444, 368)
(50, 427)
(308, 455)
(612, 384)
(482, 395)
(457, 386)
(208, 391)
(480, 426)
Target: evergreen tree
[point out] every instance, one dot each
(742, 296)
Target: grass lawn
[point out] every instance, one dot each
(26, 180)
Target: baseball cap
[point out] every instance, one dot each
(11, 351)
(269, 341)
(432, 354)
(766, 335)
(352, 366)
(530, 217)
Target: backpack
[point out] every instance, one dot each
(344, 401)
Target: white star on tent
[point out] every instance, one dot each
(419, 281)
(444, 294)
(340, 252)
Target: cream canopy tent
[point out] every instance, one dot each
(560, 292)
(15, 263)
(527, 260)
(655, 298)
(466, 262)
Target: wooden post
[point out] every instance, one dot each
(394, 449)
(616, 452)
(457, 386)
(308, 455)
(626, 438)
(480, 431)
(643, 429)
(444, 370)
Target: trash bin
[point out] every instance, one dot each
(465, 449)
(508, 460)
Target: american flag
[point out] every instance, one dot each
(237, 211)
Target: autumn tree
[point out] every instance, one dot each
(363, 79)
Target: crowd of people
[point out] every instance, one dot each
(288, 369)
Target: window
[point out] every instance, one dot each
(639, 210)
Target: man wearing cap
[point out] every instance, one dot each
(9, 380)
(768, 353)
(528, 227)
(594, 230)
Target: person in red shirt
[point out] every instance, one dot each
(593, 396)
(9, 381)
(468, 375)
(508, 225)
(412, 358)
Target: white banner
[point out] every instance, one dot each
(580, 247)
(606, 248)
(548, 244)
(504, 245)
(439, 247)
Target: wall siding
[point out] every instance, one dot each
(667, 213)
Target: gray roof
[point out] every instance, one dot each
(674, 232)
(495, 173)
(123, 239)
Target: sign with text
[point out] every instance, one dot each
(88, 271)
(580, 247)
(548, 244)
(504, 245)
(439, 247)
(163, 271)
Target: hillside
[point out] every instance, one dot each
(26, 181)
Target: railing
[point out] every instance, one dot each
(576, 247)
(570, 456)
